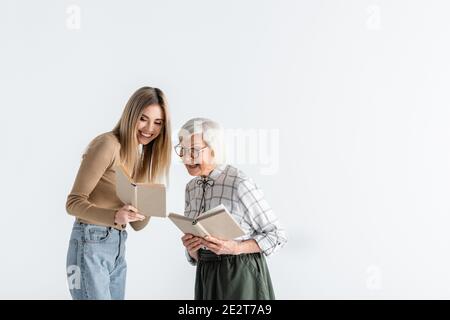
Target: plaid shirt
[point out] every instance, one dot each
(244, 200)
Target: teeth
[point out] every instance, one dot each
(146, 135)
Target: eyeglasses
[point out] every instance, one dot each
(193, 152)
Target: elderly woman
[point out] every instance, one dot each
(233, 269)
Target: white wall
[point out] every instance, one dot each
(352, 94)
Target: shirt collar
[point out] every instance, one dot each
(217, 171)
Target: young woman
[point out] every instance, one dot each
(234, 269)
(141, 144)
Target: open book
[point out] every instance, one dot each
(148, 198)
(216, 222)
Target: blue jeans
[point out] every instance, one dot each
(96, 266)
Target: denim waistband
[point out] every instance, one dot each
(81, 224)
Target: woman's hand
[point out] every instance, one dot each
(192, 244)
(127, 214)
(221, 246)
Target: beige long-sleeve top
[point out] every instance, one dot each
(93, 197)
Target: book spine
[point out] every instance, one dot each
(200, 229)
(135, 193)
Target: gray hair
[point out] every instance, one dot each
(212, 134)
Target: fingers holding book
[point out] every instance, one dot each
(192, 244)
(218, 246)
(128, 214)
(221, 246)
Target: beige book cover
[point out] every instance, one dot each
(148, 198)
(217, 222)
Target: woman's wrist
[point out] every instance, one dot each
(116, 222)
(247, 246)
(238, 248)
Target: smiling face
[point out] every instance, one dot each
(149, 124)
(197, 156)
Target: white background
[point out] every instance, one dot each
(358, 91)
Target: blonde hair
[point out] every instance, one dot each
(152, 163)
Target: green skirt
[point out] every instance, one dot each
(232, 277)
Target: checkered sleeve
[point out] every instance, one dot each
(268, 232)
(187, 208)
